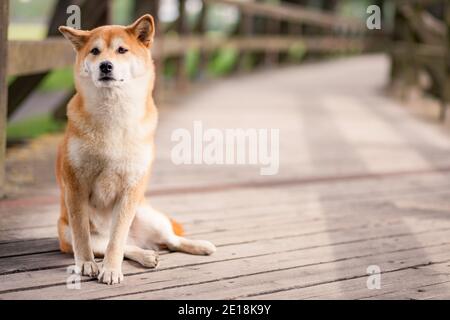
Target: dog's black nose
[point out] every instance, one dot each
(106, 67)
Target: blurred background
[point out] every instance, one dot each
(217, 20)
(202, 41)
(197, 42)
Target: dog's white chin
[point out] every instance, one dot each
(108, 84)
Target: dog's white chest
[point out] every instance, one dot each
(110, 164)
(120, 153)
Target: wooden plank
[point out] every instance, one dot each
(240, 277)
(434, 283)
(257, 224)
(294, 13)
(199, 223)
(174, 46)
(27, 57)
(394, 280)
(4, 21)
(262, 242)
(22, 263)
(283, 277)
(253, 229)
(34, 246)
(410, 283)
(364, 231)
(420, 50)
(199, 216)
(51, 275)
(425, 282)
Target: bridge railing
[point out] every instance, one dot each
(280, 28)
(421, 46)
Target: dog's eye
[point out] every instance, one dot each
(95, 51)
(122, 50)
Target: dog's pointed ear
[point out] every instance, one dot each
(78, 38)
(143, 29)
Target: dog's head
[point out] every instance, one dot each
(111, 56)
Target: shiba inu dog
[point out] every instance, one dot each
(104, 161)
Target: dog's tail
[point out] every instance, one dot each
(177, 227)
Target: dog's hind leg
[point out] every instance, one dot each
(147, 258)
(151, 227)
(199, 247)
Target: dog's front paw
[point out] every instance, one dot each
(88, 268)
(110, 276)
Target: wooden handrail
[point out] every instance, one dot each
(174, 46)
(421, 43)
(428, 28)
(422, 51)
(28, 57)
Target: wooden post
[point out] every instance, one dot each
(272, 28)
(290, 28)
(329, 5)
(258, 28)
(245, 29)
(403, 75)
(446, 85)
(411, 73)
(142, 7)
(395, 63)
(4, 21)
(200, 29)
(182, 29)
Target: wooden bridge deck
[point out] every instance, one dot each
(361, 183)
